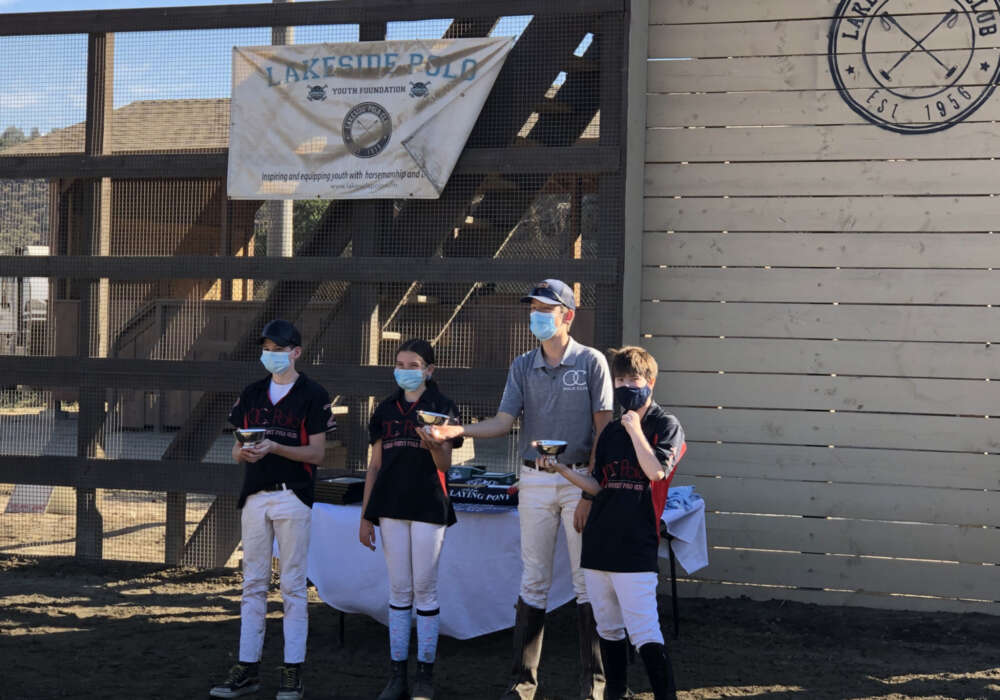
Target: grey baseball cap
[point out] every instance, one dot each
(552, 292)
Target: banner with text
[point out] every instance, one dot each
(366, 120)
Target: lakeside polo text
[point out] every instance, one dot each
(329, 66)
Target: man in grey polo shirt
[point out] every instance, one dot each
(562, 391)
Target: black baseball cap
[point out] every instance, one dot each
(281, 332)
(552, 292)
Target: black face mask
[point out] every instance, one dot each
(632, 399)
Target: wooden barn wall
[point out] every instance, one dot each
(822, 296)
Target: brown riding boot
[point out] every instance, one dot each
(591, 666)
(529, 627)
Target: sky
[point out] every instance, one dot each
(148, 65)
(63, 5)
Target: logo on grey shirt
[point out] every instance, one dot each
(574, 379)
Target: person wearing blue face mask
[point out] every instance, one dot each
(276, 500)
(635, 459)
(562, 391)
(407, 498)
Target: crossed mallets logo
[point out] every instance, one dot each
(888, 22)
(915, 67)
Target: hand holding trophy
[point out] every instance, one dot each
(248, 437)
(431, 424)
(430, 418)
(550, 450)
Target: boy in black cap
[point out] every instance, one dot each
(276, 499)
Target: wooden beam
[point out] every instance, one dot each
(94, 295)
(568, 159)
(362, 330)
(221, 375)
(318, 269)
(131, 474)
(635, 147)
(471, 27)
(216, 536)
(612, 47)
(297, 14)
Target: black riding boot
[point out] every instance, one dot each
(396, 688)
(615, 655)
(529, 628)
(660, 671)
(423, 684)
(591, 667)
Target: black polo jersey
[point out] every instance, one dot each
(304, 411)
(623, 530)
(409, 486)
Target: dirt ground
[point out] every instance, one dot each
(75, 630)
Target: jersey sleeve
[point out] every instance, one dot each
(601, 392)
(667, 439)
(319, 418)
(512, 402)
(599, 450)
(238, 411)
(375, 425)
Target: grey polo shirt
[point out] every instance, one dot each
(558, 403)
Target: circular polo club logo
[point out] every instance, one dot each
(367, 129)
(915, 67)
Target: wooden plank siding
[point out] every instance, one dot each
(873, 214)
(792, 108)
(822, 297)
(861, 358)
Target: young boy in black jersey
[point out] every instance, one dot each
(276, 500)
(634, 462)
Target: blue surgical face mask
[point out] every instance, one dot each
(274, 361)
(409, 379)
(632, 398)
(543, 325)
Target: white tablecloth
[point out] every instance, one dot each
(480, 570)
(687, 526)
(478, 581)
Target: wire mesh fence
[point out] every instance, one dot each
(118, 379)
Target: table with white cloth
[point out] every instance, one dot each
(480, 569)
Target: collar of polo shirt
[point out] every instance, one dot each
(568, 358)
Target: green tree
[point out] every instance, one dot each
(24, 204)
(307, 213)
(24, 214)
(12, 136)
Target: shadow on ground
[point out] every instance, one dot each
(72, 630)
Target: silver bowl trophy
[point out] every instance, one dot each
(249, 437)
(429, 419)
(550, 448)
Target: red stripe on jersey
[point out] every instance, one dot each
(659, 490)
(658, 494)
(444, 483)
(304, 440)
